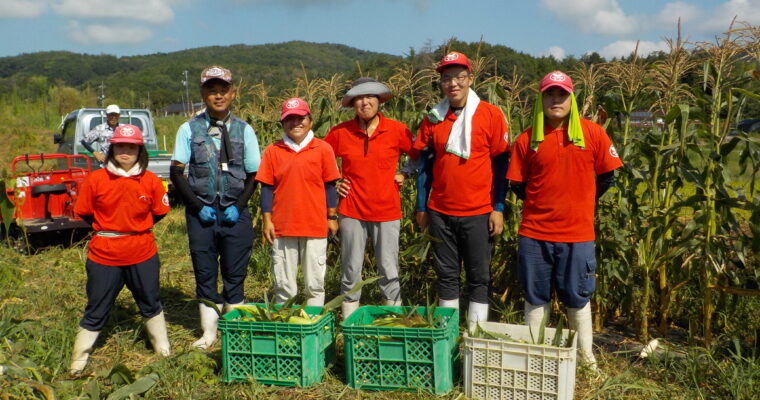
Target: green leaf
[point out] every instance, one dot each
(121, 375)
(542, 329)
(93, 389)
(334, 303)
(747, 93)
(139, 386)
(7, 209)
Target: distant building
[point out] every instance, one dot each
(643, 118)
(181, 109)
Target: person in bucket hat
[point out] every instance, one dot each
(369, 146)
(464, 143)
(221, 152)
(560, 166)
(122, 202)
(298, 204)
(101, 134)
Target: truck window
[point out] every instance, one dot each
(123, 120)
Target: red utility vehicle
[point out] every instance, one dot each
(45, 188)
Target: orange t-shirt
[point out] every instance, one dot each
(464, 187)
(299, 207)
(370, 165)
(122, 204)
(560, 195)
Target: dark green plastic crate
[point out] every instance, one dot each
(382, 358)
(277, 353)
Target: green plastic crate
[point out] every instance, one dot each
(277, 353)
(382, 358)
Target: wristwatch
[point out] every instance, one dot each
(332, 217)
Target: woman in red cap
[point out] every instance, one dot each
(122, 202)
(298, 204)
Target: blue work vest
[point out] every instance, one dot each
(205, 174)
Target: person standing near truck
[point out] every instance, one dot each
(560, 166)
(122, 202)
(468, 139)
(222, 154)
(369, 146)
(101, 134)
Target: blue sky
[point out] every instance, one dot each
(537, 27)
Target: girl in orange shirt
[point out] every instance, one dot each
(121, 201)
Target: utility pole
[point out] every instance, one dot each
(101, 96)
(187, 94)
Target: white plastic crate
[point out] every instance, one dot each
(502, 370)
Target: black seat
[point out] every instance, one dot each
(58, 188)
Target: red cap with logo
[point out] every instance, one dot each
(454, 58)
(127, 134)
(294, 106)
(557, 78)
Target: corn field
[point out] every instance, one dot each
(677, 236)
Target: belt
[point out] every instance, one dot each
(116, 234)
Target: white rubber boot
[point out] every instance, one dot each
(478, 312)
(318, 301)
(209, 319)
(82, 348)
(534, 315)
(231, 306)
(156, 328)
(580, 321)
(449, 303)
(347, 308)
(396, 303)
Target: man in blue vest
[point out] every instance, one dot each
(222, 155)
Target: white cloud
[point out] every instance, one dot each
(673, 11)
(720, 18)
(151, 11)
(555, 51)
(21, 8)
(624, 48)
(593, 16)
(108, 34)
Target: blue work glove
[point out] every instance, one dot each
(207, 214)
(231, 215)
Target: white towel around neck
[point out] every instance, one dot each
(116, 170)
(298, 146)
(460, 137)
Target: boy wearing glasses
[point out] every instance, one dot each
(461, 188)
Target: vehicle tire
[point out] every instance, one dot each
(18, 240)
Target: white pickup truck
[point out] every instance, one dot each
(78, 122)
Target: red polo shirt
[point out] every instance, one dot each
(370, 163)
(122, 204)
(560, 195)
(299, 207)
(464, 187)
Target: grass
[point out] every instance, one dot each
(43, 298)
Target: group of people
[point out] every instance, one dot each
(559, 167)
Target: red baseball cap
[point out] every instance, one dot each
(454, 58)
(294, 106)
(127, 134)
(557, 78)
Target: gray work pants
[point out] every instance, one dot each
(353, 240)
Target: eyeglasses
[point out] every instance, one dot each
(460, 79)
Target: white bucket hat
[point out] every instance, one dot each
(366, 86)
(113, 109)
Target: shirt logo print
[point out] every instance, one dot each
(614, 152)
(165, 200)
(144, 198)
(292, 104)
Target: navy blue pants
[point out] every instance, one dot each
(221, 247)
(569, 267)
(461, 241)
(104, 282)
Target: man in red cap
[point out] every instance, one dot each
(298, 204)
(222, 155)
(468, 140)
(560, 167)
